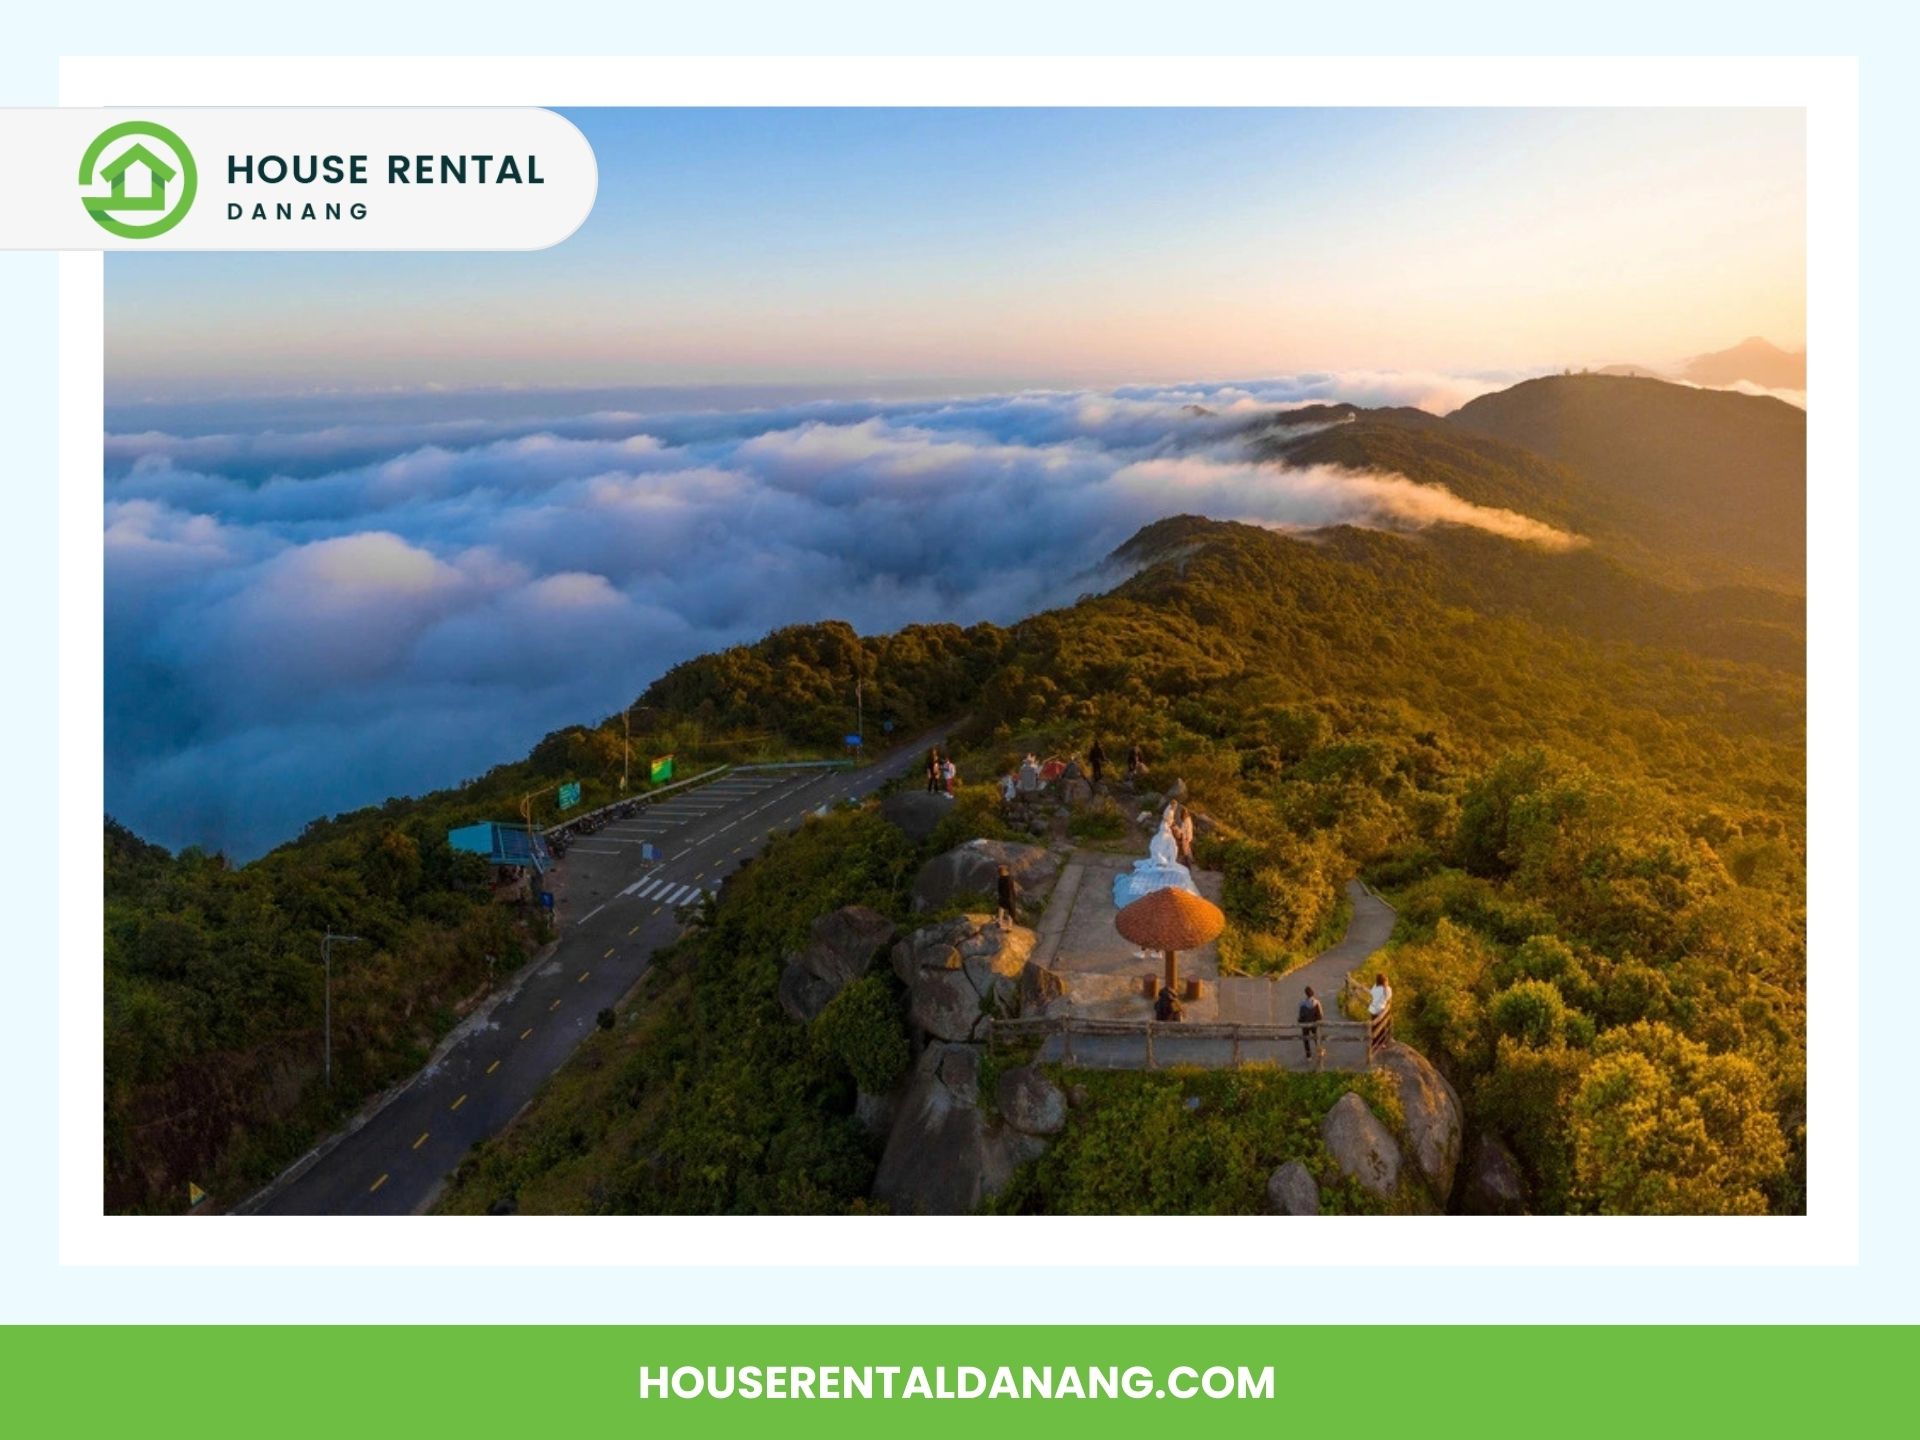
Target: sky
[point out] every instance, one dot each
(376, 523)
(1005, 248)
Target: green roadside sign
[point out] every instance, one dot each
(569, 794)
(661, 769)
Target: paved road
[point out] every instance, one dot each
(615, 909)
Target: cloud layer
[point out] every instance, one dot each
(305, 620)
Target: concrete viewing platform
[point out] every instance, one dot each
(1098, 1019)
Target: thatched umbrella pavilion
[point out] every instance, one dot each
(1171, 920)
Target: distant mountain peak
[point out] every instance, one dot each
(1755, 360)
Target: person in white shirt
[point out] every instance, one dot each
(1381, 997)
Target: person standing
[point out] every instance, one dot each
(933, 770)
(1136, 762)
(1009, 896)
(1309, 1017)
(950, 773)
(1166, 1009)
(1380, 998)
(1096, 760)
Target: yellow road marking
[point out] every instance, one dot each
(584, 973)
(493, 1067)
(377, 1184)
(526, 1032)
(658, 908)
(701, 876)
(634, 931)
(422, 1140)
(458, 1103)
(554, 1006)
(607, 956)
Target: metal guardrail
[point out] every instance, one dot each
(645, 797)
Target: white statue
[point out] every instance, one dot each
(1163, 849)
(1161, 869)
(1030, 775)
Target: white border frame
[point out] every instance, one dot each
(1828, 1235)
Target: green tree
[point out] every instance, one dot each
(1663, 1127)
(862, 1029)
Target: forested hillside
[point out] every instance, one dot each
(1580, 778)
(1713, 477)
(1593, 831)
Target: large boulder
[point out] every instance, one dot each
(1361, 1146)
(803, 994)
(916, 812)
(1433, 1115)
(1292, 1190)
(841, 947)
(974, 869)
(1494, 1183)
(843, 944)
(944, 1154)
(962, 970)
(1030, 1102)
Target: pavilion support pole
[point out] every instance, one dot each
(1173, 973)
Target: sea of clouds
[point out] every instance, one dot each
(306, 618)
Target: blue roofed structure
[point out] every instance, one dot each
(503, 845)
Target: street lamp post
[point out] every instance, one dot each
(326, 963)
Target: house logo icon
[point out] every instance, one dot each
(149, 177)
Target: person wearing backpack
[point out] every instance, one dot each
(1310, 1017)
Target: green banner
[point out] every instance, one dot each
(661, 769)
(1113, 1382)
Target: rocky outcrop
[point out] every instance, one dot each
(1030, 1102)
(962, 970)
(916, 812)
(1361, 1146)
(1292, 1190)
(1493, 1183)
(1433, 1115)
(803, 995)
(974, 869)
(841, 947)
(944, 1154)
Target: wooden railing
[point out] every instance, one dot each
(1379, 1031)
(1358, 1040)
